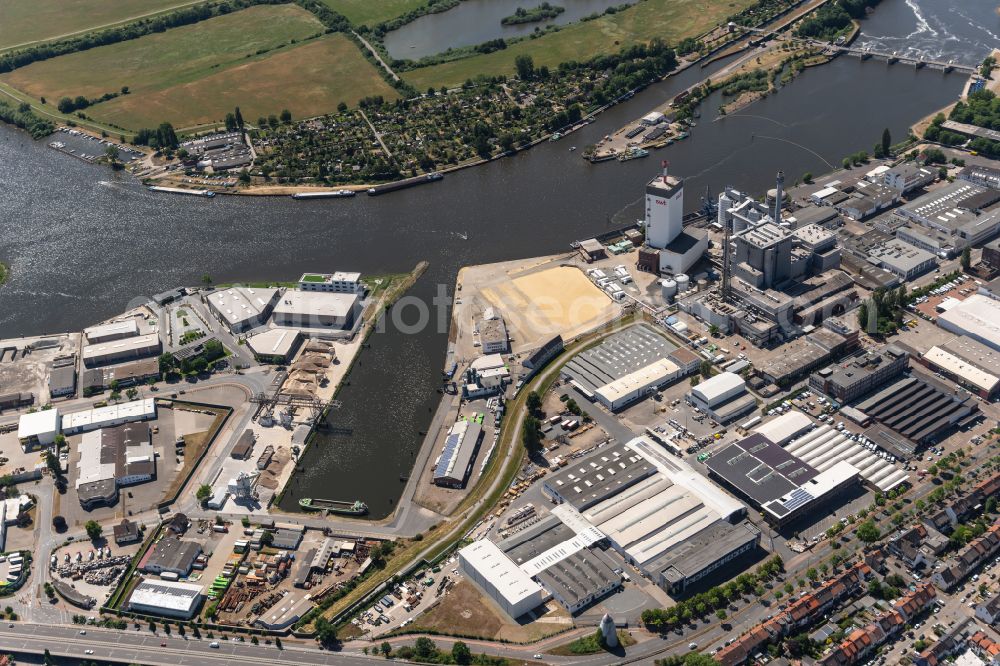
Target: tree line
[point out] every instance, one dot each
(23, 117)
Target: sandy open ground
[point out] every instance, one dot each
(542, 303)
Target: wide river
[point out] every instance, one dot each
(83, 242)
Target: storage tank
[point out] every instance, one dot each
(668, 288)
(702, 285)
(725, 203)
(683, 282)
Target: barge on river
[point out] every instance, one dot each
(355, 508)
(403, 184)
(328, 194)
(179, 190)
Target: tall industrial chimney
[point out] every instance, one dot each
(779, 196)
(665, 164)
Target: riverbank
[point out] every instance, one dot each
(918, 128)
(4, 273)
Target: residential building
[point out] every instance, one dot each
(126, 532)
(339, 282)
(963, 563)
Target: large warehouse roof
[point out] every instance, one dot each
(977, 316)
(962, 369)
(824, 447)
(717, 387)
(101, 416)
(182, 597)
(116, 329)
(500, 571)
(618, 356)
(786, 427)
(656, 372)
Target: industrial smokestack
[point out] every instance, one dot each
(665, 164)
(779, 196)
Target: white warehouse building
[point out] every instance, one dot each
(977, 317)
(161, 597)
(723, 397)
(503, 581)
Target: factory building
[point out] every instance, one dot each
(908, 176)
(317, 310)
(951, 218)
(107, 417)
(656, 512)
(38, 428)
(669, 248)
(968, 363)
(171, 555)
(979, 174)
(160, 597)
(866, 200)
(783, 487)
(825, 447)
(62, 377)
(339, 282)
(626, 366)
(111, 458)
(493, 332)
(117, 330)
(723, 397)
(275, 345)
(918, 412)
(902, 259)
(566, 556)
(243, 308)
(977, 317)
(124, 349)
(763, 256)
(500, 579)
(459, 451)
(127, 374)
(860, 376)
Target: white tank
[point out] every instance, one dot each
(668, 288)
(725, 203)
(702, 285)
(683, 282)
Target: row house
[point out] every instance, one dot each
(975, 553)
(800, 613)
(947, 646)
(917, 546)
(857, 645)
(985, 648)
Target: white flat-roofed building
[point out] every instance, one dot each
(160, 597)
(315, 309)
(116, 330)
(124, 349)
(967, 373)
(38, 428)
(276, 345)
(499, 577)
(653, 118)
(721, 387)
(820, 196)
(637, 384)
(977, 317)
(341, 282)
(786, 427)
(243, 308)
(112, 415)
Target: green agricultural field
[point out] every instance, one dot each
(26, 21)
(670, 20)
(372, 12)
(156, 62)
(309, 80)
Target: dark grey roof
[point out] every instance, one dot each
(760, 469)
(173, 554)
(618, 355)
(702, 550)
(686, 240)
(619, 466)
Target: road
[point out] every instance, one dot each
(378, 136)
(377, 56)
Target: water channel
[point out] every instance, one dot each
(477, 21)
(83, 242)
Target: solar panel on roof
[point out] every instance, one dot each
(797, 498)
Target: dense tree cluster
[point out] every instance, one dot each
(22, 116)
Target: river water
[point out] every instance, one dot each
(477, 21)
(83, 242)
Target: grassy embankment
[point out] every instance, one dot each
(373, 12)
(4, 272)
(263, 59)
(590, 644)
(670, 20)
(24, 22)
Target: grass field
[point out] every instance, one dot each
(670, 20)
(25, 21)
(178, 56)
(308, 80)
(372, 12)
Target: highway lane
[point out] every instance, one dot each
(146, 648)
